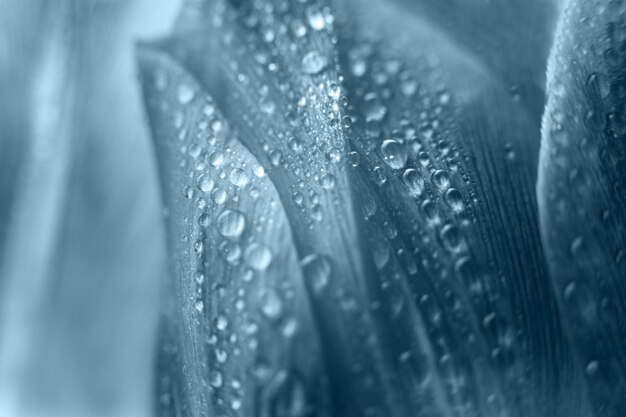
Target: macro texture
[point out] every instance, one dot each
(299, 208)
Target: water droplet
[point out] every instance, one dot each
(297, 198)
(185, 94)
(394, 154)
(333, 155)
(430, 210)
(317, 270)
(219, 196)
(271, 304)
(215, 379)
(198, 246)
(451, 237)
(258, 256)
(413, 181)
(231, 223)
(454, 199)
(259, 171)
(204, 220)
(576, 245)
(441, 179)
(188, 192)
(380, 177)
(315, 17)
(592, 368)
(317, 212)
(231, 251)
(314, 63)
(216, 158)
(328, 181)
(353, 159)
(600, 83)
(238, 178)
(205, 183)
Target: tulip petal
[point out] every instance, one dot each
(246, 340)
(582, 191)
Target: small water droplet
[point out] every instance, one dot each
(271, 304)
(328, 181)
(185, 94)
(317, 270)
(215, 379)
(205, 183)
(314, 63)
(219, 196)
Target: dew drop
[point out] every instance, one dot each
(441, 179)
(328, 181)
(185, 94)
(238, 178)
(231, 223)
(271, 304)
(314, 63)
(315, 17)
(413, 181)
(317, 270)
(215, 379)
(205, 183)
(454, 199)
(394, 154)
(258, 256)
(231, 251)
(216, 158)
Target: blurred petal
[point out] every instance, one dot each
(80, 225)
(582, 192)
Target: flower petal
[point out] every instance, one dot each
(245, 335)
(582, 193)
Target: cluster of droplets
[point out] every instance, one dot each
(300, 131)
(218, 179)
(413, 153)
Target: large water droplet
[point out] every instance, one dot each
(414, 182)
(231, 223)
(394, 154)
(258, 256)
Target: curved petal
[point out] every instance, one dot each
(582, 193)
(246, 339)
(467, 168)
